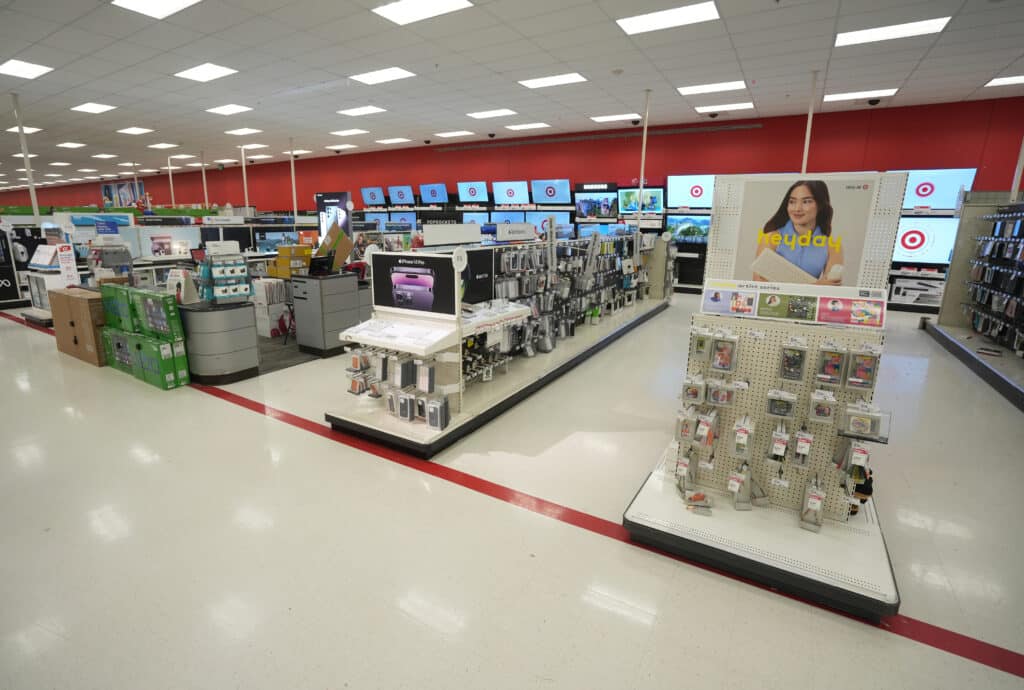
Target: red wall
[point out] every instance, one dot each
(978, 134)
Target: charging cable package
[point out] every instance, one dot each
(725, 352)
(778, 444)
(701, 344)
(693, 389)
(706, 426)
(744, 431)
(863, 368)
(812, 512)
(686, 426)
(823, 407)
(793, 362)
(802, 452)
(831, 365)
(781, 404)
(738, 483)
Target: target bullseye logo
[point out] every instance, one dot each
(913, 240)
(924, 189)
(549, 191)
(544, 224)
(472, 191)
(696, 191)
(433, 193)
(401, 194)
(373, 196)
(510, 192)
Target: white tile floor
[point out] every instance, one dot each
(155, 539)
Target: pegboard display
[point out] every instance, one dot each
(758, 356)
(883, 222)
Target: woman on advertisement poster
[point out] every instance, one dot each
(800, 232)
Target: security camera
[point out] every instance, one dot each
(426, 141)
(874, 101)
(712, 115)
(492, 135)
(296, 156)
(220, 166)
(636, 122)
(251, 161)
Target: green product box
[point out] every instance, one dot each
(117, 307)
(156, 315)
(120, 353)
(181, 363)
(156, 364)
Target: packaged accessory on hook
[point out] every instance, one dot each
(779, 443)
(693, 389)
(725, 352)
(812, 512)
(720, 393)
(863, 369)
(802, 453)
(701, 344)
(781, 404)
(865, 421)
(823, 407)
(738, 483)
(831, 365)
(686, 426)
(744, 430)
(706, 425)
(793, 362)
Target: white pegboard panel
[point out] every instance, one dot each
(879, 241)
(759, 355)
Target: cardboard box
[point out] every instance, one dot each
(154, 361)
(77, 322)
(117, 306)
(181, 363)
(118, 350)
(271, 320)
(156, 315)
(295, 251)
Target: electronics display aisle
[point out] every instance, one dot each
(428, 371)
(776, 422)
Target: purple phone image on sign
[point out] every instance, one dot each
(412, 287)
(373, 196)
(400, 195)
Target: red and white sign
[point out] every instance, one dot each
(912, 240)
(66, 261)
(925, 189)
(696, 191)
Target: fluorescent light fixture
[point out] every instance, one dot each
(182, 156)
(246, 147)
(86, 170)
(23, 169)
(405, 12)
(1006, 81)
(157, 9)
(243, 131)
(395, 140)
(349, 132)
(162, 145)
(105, 155)
(556, 80)
(149, 170)
(711, 88)
(74, 179)
(667, 19)
(456, 133)
(60, 164)
(616, 118)
(724, 107)
(485, 114)
(225, 161)
(854, 95)
(94, 108)
(126, 172)
(92, 177)
(196, 164)
(53, 175)
(229, 109)
(18, 155)
(206, 72)
(340, 147)
(25, 70)
(165, 167)
(134, 130)
(382, 75)
(887, 33)
(296, 152)
(108, 175)
(70, 145)
(364, 110)
(528, 125)
(260, 156)
(27, 130)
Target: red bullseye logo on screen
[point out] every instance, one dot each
(472, 191)
(696, 191)
(510, 192)
(913, 240)
(401, 195)
(549, 192)
(924, 189)
(433, 193)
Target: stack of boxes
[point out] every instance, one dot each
(292, 260)
(270, 296)
(144, 336)
(77, 323)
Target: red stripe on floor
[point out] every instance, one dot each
(990, 655)
(23, 322)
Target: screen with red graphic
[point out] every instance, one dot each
(925, 240)
(435, 193)
(401, 195)
(511, 193)
(690, 191)
(550, 191)
(937, 189)
(539, 219)
(473, 192)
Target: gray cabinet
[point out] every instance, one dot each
(221, 341)
(324, 307)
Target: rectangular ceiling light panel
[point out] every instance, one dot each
(229, 109)
(157, 9)
(668, 19)
(724, 107)
(856, 95)
(382, 75)
(364, 110)
(711, 88)
(206, 72)
(888, 33)
(555, 80)
(405, 12)
(486, 114)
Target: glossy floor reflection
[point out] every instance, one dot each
(167, 539)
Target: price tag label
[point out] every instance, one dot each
(780, 482)
(860, 457)
(706, 465)
(735, 482)
(803, 443)
(814, 501)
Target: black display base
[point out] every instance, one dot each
(781, 580)
(1008, 388)
(687, 290)
(329, 352)
(15, 303)
(224, 379)
(428, 450)
(44, 321)
(915, 308)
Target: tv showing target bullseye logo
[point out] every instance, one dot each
(550, 191)
(473, 192)
(511, 193)
(401, 195)
(925, 240)
(690, 191)
(435, 193)
(937, 189)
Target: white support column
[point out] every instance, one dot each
(245, 181)
(1015, 186)
(170, 180)
(24, 154)
(810, 119)
(202, 168)
(291, 163)
(643, 168)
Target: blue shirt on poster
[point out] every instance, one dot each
(811, 259)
